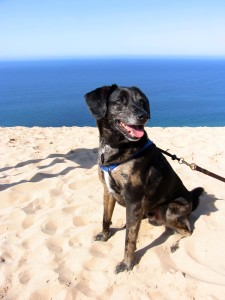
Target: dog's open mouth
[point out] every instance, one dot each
(132, 132)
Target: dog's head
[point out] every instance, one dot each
(122, 108)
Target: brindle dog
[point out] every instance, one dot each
(133, 170)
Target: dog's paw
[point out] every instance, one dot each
(122, 266)
(102, 236)
(183, 232)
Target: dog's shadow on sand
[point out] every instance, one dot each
(205, 208)
(82, 157)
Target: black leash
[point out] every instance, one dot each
(193, 166)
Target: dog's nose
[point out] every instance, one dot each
(142, 117)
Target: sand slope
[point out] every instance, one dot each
(51, 208)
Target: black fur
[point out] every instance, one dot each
(146, 185)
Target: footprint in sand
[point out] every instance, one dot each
(28, 221)
(24, 277)
(100, 249)
(34, 206)
(99, 258)
(74, 242)
(33, 240)
(54, 245)
(96, 264)
(96, 284)
(50, 227)
(80, 221)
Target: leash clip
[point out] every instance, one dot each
(193, 166)
(182, 161)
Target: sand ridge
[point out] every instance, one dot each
(51, 208)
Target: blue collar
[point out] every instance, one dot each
(113, 166)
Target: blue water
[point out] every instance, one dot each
(182, 92)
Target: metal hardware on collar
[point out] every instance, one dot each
(111, 167)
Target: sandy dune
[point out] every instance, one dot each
(51, 208)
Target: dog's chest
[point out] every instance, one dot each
(118, 176)
(109, 183)
(116, 182)
(114, 188)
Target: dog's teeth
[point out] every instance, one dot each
(123, 125)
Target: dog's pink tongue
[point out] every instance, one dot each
(135, 131)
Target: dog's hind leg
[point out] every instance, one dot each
(177, 216)
(109, 204)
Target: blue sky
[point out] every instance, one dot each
(69, 28)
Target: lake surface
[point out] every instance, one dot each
(182, 92)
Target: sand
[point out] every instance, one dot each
(51, 208)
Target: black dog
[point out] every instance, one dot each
(133, 170)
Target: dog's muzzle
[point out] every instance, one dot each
(131, 132)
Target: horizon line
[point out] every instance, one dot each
(75, 57)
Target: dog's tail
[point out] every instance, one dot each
(196, 193)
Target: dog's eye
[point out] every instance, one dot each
(142, 102)
(121, 100)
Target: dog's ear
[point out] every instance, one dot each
(146, 103)
(97, 100)
(147, 107)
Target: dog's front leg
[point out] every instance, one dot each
(134, 216)
(109, 204)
